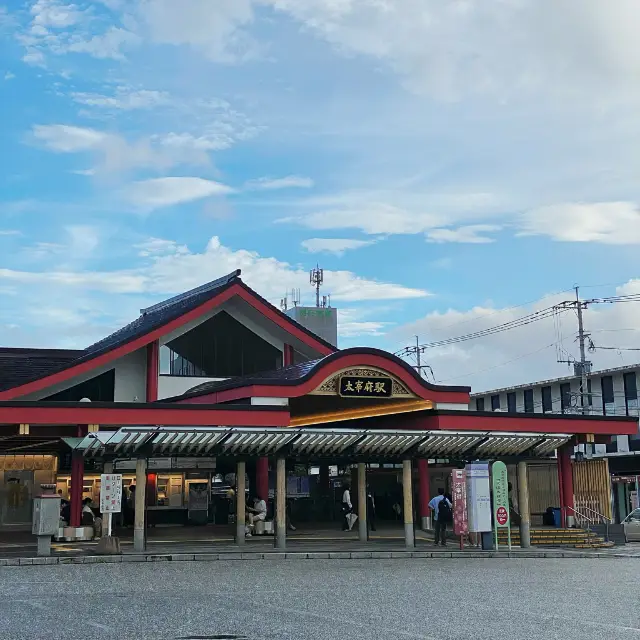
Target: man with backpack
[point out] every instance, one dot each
(442, 515)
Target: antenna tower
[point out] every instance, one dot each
(316, 278)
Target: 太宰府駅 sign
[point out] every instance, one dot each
(363, 387)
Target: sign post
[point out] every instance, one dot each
(459, 491)
(478, 501)
(501, 513)
(110, 496)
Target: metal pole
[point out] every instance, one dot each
(408, 504)
(523, 503)
(281, 503)
(107, 517)
(240, 503)
(139, 537)
(362, 502)
(583, 355)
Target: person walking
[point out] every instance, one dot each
(442, 515)
(347, 508)
(371, 509)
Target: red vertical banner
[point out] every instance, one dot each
(459, 492)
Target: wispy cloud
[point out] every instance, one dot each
(272, 184)
(166, 192)
(337, 246)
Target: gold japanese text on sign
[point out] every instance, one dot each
(361, 387)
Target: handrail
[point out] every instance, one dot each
(607, 521)
(579, 514)
(606, 518)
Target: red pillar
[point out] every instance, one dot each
(262, 478)
(287, 356)
(561, 490)
(151, 494)
(423, 488)
(77, 482)
(567, 478)
(152, 371)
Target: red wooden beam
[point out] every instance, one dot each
(132, 415)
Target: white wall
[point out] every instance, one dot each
(131, 377)
(169, 386)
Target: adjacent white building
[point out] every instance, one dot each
(609, 392)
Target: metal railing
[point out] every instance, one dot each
(605, 520)
(578, 515)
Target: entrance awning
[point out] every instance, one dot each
(310, 442)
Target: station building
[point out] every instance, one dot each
(216, 387)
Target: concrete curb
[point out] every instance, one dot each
(297, 555)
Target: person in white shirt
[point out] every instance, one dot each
(255, 513)
(347, 508)
(440, 517)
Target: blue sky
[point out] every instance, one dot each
(443, 161)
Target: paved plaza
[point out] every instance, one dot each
(432, 599)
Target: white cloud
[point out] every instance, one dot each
(10, 232)
(376, 219)
(470, 234)
(52, 14)
(333, 245)
(106, 45)
(288, 182)
(124, 99)
(172, 268)
(525, 354)
(213, 29)
(9, 76)
(68, 139)
(166, 192)
(115, 154)
(485, 46)
(605, 222)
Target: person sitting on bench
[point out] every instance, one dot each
(255, 513)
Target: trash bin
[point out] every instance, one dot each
(557, 517)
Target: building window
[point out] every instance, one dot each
(479, 404)
(98, 389)
(511, 402)
(547, 400)
(565, 396)
(608, 399)
(495, 402)
(631, 393)
(528, 401)
(221, 347)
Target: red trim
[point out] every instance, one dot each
(152, 371)
(205, 417)
(323, 372)
(287, 356)
(504, 422)
(104, 358)
(262, 478)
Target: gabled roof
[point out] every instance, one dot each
(163, 312)
(18, 366)
(151, 320)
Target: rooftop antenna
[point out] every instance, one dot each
(295, 297)
(284, 303)
(316, 278)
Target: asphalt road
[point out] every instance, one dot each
(388, 599)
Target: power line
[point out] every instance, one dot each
(537, 316)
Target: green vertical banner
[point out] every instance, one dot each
(500, 484)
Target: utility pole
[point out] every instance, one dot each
(416, 350)
(581, 368)
(583, 356)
